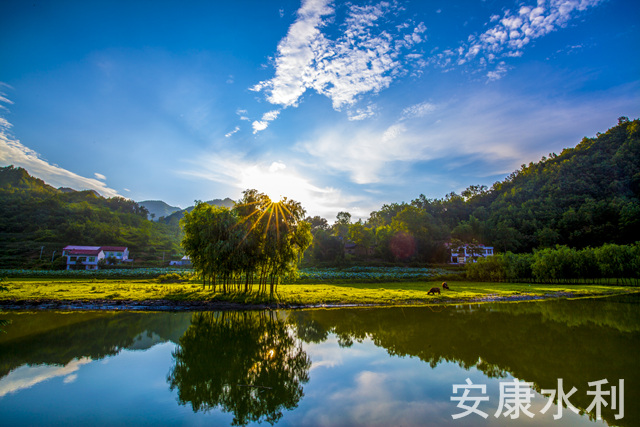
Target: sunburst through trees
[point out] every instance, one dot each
(252, 246)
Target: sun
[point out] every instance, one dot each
(274, 181)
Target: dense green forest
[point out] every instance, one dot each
(586, 196)
(34, 215)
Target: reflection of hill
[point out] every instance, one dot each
(528, 341)
(58, 338)
(247, 363)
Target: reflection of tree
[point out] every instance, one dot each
(247, 363)
(56, 338)
(537, 342)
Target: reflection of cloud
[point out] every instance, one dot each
(378, 399)
(71, 378)
(27, 376)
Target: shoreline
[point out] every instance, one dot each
(204, 305)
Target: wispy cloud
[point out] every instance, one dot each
(361, 113)
(418, 110)
(512, 32)
(498, 131)
(100, 176)
(267, 117)
(236, 129)
(364, 59)
(274, 178)
(13, 152)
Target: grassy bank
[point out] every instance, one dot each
(390, 293)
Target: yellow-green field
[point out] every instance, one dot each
(391, 293)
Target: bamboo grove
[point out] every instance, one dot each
(253, 246)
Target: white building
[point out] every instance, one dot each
(89, 256)
(120, 253)
(469, 253)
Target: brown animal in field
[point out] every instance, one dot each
(434, 291)
(445, 286)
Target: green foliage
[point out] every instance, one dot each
(34, 214)
(256, 241)
(562, 264)
(174, 278)
(259, 367)
(587, 196)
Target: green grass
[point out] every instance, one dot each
(387, 293)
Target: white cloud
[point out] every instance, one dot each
(498, 72)
(270, 115)
(229, 134)
(500, 131)
(100, 176)
(259, 125)
(361, 113)
(364, 59)
(513, 31)
(267, 117)
(12, 152)
(276, 166)
(275, 179)
(418, 110)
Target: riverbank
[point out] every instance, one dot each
(79, 294)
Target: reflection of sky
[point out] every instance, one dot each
(27, 376)
(360, 385)
(363, 385)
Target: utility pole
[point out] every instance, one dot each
(41, 249)
(54, 254)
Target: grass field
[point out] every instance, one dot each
(390, 293)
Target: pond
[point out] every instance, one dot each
(492, 364)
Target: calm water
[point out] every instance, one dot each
(393, 366)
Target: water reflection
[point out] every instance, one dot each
(579, 341)
(398, 363)
(247, 363)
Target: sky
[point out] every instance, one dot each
(342, 106)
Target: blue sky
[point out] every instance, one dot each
(343, 106)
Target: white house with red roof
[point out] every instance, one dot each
(90, 256)
(120, 253)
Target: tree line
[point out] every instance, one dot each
(586, 196)
(256, 243)
(34, 215)
(562, 264)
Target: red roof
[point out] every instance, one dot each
(92, 252)
(113, 248)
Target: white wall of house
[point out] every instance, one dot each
(119, 255)
(463, 255)
(89, 260)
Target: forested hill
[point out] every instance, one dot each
(34, 214)
(586, 196)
